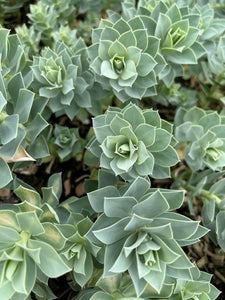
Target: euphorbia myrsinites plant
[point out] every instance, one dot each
(112, 149)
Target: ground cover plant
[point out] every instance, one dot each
(112, 150)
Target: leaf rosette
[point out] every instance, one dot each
(44, 20)
(141, 233)
(120, 287)
(65, 9)
(199, 288)
(29, 251)
(66, 142)
(178, 30)
(134, 142)
(125, 58)
(31, 243)
(79, 251)
(202, 133)
(62, 76)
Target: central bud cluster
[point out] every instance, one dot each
(118, 64)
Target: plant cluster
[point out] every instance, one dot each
(131, 97)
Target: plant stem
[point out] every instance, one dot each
(204, 193)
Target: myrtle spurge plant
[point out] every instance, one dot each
(177, 29)
(62, 77)
(124, 57)
(131, 146)
(209, 186)
(79, 251)
(66, 141)
(112, 149)
(203, 133)
(198, 288)
(25, 256)
(141, 234)
(44, 19)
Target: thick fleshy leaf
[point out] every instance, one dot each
(109, 34)
(25, 276)
(125, 164)
(20, 155)
(129, 134)
(129, 71)
(163, 24)
(162, 140)
(137, 221)
(139, 284)
(152, 117)
(24, 104)
(82, 279)
(112, 252)
(5, 174)
(142, 38)
(162, 231)
(9, 129)
(156, 278)
(122, 26)
(127, 39)
(143, 154)
(8, 218)
(101, 296)
(137, 188)
(55, 181)
(117, 207)
(52, 236)
(29, 222)
(146, 133)
(97, 197)
(104, 46)
(145, 65)
(36, 126)
(113, 233)
(29, 195)
(153, 206)
(174, 198)
(186, 57)
(51, 264)
(122, 263)
(133, 115)
(166, 158)
(146, 167)
(118, 49)
(8, 234)
(117, 123)
(134, 54)
(106, 70)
